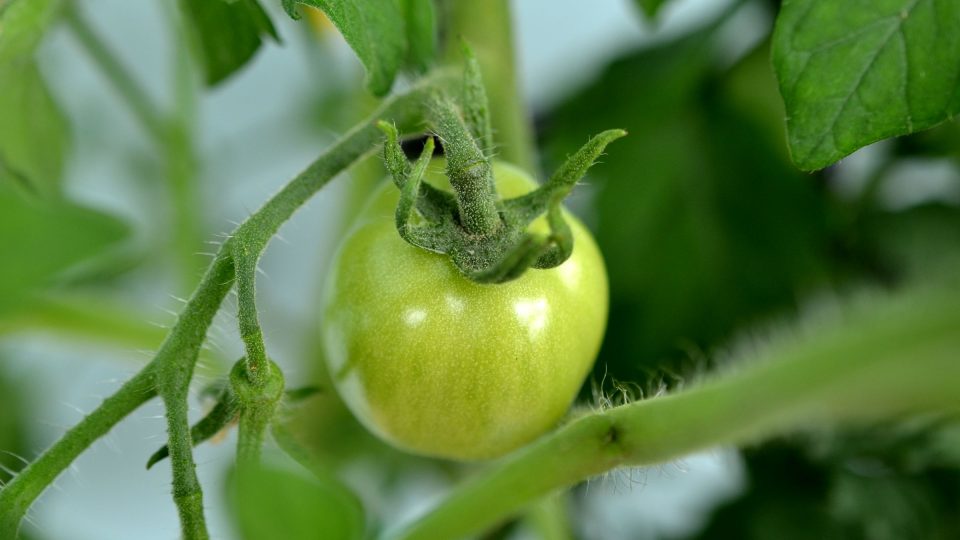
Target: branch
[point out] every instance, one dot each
(169, 373)
(253, 235)
(15, 499)
(132, 93)
(879, 362)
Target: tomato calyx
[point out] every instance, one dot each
(487, 238)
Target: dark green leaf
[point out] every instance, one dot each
(22, 24)
(650, 8)
(373, 28)
(33, 132)
(703, 221)
(852, 73)
(421, 27)
(228, 33)
(276, 503)
(42, 238)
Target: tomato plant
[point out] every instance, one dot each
(440, 365)
(766, 268)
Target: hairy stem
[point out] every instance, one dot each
(16, 497)
(486, 27)
(169, 373)
(879, 363)
(258, 402)
(252, 236)
(176, 362)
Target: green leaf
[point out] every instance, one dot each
(702, 220)
(22, 24)
(421, 25)
(650, 8)
(43, 238)
(228, 33)
(374, 29)
(855, 72)
(276, 503)
(33, 133)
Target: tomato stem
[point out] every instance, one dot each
(170, 372)
(880, 361)
(469, 171)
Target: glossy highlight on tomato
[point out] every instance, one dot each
(439, 365)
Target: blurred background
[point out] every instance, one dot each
(710, 236)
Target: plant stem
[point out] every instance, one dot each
(253, 235)
(169, 373)
(134, 97)
(176, 362)
(16, 497)
(172, 137)
(879, 363)
(181, 159)
(486, 27)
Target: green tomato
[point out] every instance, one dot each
(442, 366)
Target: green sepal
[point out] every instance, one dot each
(476, 111)
(486, 238)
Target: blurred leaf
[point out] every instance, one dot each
(915, 242)
(374, 29)
(888, 482)
(704, 223)
(421, 25)
(43, 238)
(33, 133)
(22, 24)
(13, 425)
(229, 33)
(650, 8)
(784, 500)
(275, 503)
(852, 73)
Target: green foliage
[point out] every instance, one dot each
(33, 133)
(228, 33)
(706, 227)
(703, 222)
(46, 237)
(852, 73)
(881, 483)
(271, 502)
(13, 424)
(23, 23)
(374, 29)
(421, 24)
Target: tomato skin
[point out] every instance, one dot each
(442, 366)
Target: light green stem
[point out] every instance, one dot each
(169, 373)
(172, 137)
(883, 362)
(487, 29)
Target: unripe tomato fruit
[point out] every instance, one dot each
(439, 365)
